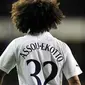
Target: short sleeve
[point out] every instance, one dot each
(7, 59)
(70, 67)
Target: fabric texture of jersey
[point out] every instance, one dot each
(40, 60)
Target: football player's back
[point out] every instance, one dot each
(39, 57)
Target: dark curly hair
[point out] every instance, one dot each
(35, 17)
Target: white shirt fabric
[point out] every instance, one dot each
(40, 60)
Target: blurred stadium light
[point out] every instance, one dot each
(71, 29)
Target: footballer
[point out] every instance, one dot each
(40, 58)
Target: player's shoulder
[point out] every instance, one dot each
(18, 40)
(59, 42)
(63, 46)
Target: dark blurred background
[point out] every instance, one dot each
(71, 31)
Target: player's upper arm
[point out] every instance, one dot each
(74, 81)
(70, 67)
(2, 74)
(8, 59)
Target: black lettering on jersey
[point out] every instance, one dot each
(60, 58)
(58, 54)
(52, 49)
(33, 46)
(55, 51)
(47, 47)
(53, 74)
(37, 70)
(43, 46)
(29, 49)
(39, 46)
(25, 53)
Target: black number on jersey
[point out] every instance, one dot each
(38, 68)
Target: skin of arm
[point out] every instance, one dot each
(2, 74)
(74, 81)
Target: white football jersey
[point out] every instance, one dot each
(40, 60)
